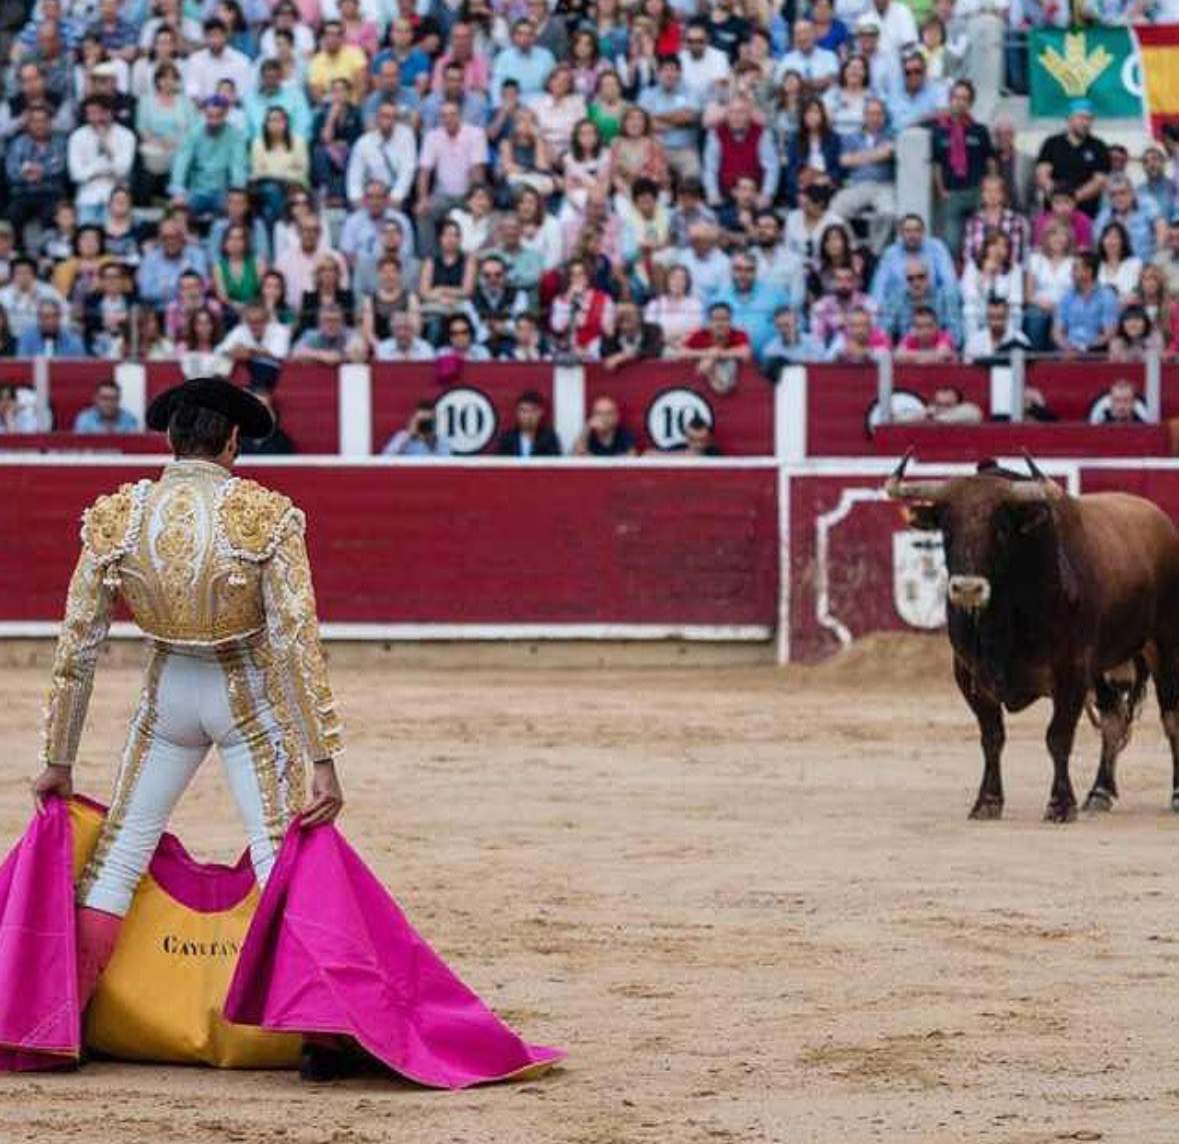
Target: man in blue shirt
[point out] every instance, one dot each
(869, 163)
(1138, 213)
(106, 415)
(36, 168)
(911, 242)
(271, 92)
(48, 338)
(525, 62)
(917, 99)
(1087, 316)
(473, 104)
(675, 117)
(752, 303)
(159, 273)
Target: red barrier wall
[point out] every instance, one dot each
(656, 399)
(83, 443)
(71, 388)
(307, 397)
(1063, 439)
(471, 421)
(682, 545)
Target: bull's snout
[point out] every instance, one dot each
(971, 593)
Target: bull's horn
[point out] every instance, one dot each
(899, 472)
(1037, 493)
(1037, 473)
(916, 490)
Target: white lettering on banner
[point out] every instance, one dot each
(919, 578)
(1132, 75)
(466, 420)
(670, 414)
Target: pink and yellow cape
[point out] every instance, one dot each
(207, 971)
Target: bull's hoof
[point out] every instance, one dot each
(1175, 802)
(988, 808)
(1099, 801)
(1061, 812)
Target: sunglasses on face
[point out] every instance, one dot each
(916, 277)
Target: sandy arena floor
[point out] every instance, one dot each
(748, 901)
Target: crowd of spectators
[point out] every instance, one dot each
(331, 181)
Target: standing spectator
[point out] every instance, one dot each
(403, 343)
(211, 160)
(961, 154)
(604, 434)
(718, 349)
(337, 126)
(49, 338)
(106, 415)
(101, 153)
(818, 67)
(1076, 159)
(1011, 164)
(453, 158)
(215, 62)
(36, 168)
(869, 182)
(738, 146)
(632, 340)
(387, 154)
(1087, 316)
(1137, 213)
(675, 117)
(525, 62)
(529, 437)
(898, 27)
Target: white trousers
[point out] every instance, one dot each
(189, 703)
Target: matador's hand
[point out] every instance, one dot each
(53, 780)
(327, 799)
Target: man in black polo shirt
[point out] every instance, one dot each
(1075, 158)
(961, 151)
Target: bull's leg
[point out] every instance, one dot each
(1068, 701)
(1116, 716)
(1166, 686)
(989, 804)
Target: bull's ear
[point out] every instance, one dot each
(921, 515)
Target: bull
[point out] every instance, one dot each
(1075, 599)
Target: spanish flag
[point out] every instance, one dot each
(1158, 54)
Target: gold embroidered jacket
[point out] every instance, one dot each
(203, 560)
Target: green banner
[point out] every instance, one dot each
(1097, 64)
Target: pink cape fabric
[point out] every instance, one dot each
(330, 952)
(40, 1026)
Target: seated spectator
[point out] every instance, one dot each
(675, 117)
(738, 217)
(530, 241)
(637, 154)
(327, 290)
(106, 313)
(453, 159)
(1087, 316)
(7, 341)
(476, 220)
(198, 345)
(751, 303)
(387, 154)
(845, 99)
(335, 60)
(1049, 276)
(789, 345)
(278, 162)
(608, 105)
(926, 340)
(1155, 299)
(678, 312)
(1062, 207)
(995, 341)
(256, 336)
(238, 273)
(49, 337)
(389, 298)
(153, 343)
(586, 167)
(403, 343)
(1121, 407)
(106, 415)
(1158, 186)
(524, 157)
(718, 349)
(861, 341)
(58, 242)
(190, 297)
(961, 155)
(420, 436)
(335, 129)
(912, 242)
(1137, 213)
(271, 92)
(698, 440)
(1119, 268)
(632, 340)
(558, 110)
(919, 292)
(1167, 258)
(815, 149)
(947, 407)
(992, 276)
(329, 342)
(818, 67)
(210, 161)
(19, 412)
(300, 265)
(465, 56)
(460, 345)
(35, 165)
(867, 162)
(708, 268)
(529, 437)
(1136, 338)
(1076, 159)
(365, 236)
(277, 443)
(448, 280)
(494, 306)
(829, 315)
(531, 344)
(23, 295)
(807, 224)
(604, 435)
(77, 276)
(582, 314)
(995, 215)
(525, 62)
(216, 61)
(100, 155)
(919, 100)
(739, 146)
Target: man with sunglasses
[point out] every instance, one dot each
(920, 293)
(918, 100)
(702, 65)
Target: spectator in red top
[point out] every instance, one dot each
(926, 341)
(860, 341)
(1062, 206)
(718, 349)
(739, 147)
(582, 314)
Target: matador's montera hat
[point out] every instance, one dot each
(218, 395)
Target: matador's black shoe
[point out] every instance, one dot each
(321, 1063)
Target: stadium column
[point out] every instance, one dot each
(131, 378)
(355, 383)
(790, 415)
(914, 177)
(569, 410)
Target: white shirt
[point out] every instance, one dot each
(275, 341)
(1125, 281)
(700, 74)
(21, 308)
(1049, 281)
(304, 43)
(206, 71)
(393, 161)
(802, 240)
(709, 274)
(98, 163)
(897, 27)
(420, 350)
(817, 64)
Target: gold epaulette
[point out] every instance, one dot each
(110, 526)
(253, 518)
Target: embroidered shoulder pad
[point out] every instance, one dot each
(253, 519)
(110, 526)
